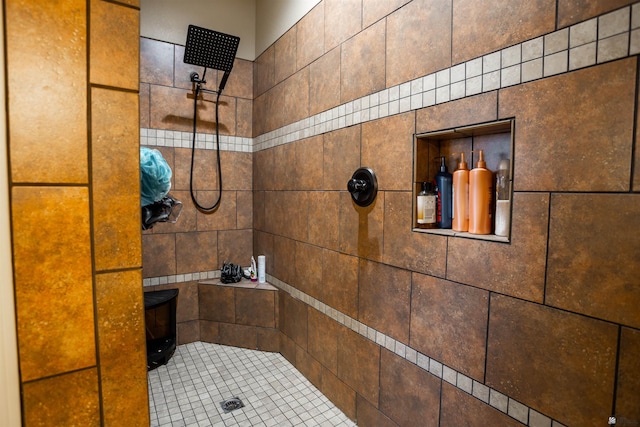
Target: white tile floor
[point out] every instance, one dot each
(188, 390)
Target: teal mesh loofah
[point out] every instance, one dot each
(155, 176)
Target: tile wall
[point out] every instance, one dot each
(73, 120)
(396, 326)
(194, 248)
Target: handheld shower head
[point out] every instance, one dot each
(211, 49)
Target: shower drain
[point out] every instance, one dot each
(231, 404)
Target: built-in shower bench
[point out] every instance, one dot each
(243, 314)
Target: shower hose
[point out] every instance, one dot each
(193, 147)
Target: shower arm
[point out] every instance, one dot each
(195, 78)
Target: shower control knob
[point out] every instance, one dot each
(363, 186)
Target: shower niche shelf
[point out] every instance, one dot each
(495, 139)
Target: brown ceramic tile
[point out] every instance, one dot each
(121, 336)
(144, 104)
(263, 245)
(244, 118)
(45, 405)
(284, 170)
(135, 3)
(550, 359)
(288, 348)
(172, 109)
(323, 339)
(188, 332)
(283, 262)
(53, 283)
(384, 299)
(407, 392)
(628, 385)
(461, 112)
(363, 63)
(238, 336)
(418, 40)
(115, 39)
(222, 218)
(461, 409)
(605, 95)
(285, 55)
(593, 262)
(158, 255)
(291, 213)
(324, 82)
(343, 19)
(574, 11)
(420, 252)
(359, 364)
(217, 303)
(339, 393)
(324, 211)
(264, 72)
(308, 163)
(360, 228)
(449, 323)
(274, 109)
(259, 114)
(268, 339)
(196, 252)
(244, 200)
(50, 134)
(293, 320)
(116, 197)
(296, 96)
(499, 26)
(368, 415)
(373, 10)
(236, 170)
(209, 331)
(309, 367)
(240, 82)
(254, 307)
(310, 36)
(258, 211)
(308, 269)
(340, 282)
(515, 269)
(341, 156)
(387, 148)
(156, 62)
(235, 246)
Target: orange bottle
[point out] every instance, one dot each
(480, 197)
(461, 196)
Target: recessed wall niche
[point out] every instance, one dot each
(495, 139)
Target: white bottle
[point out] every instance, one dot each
(503, 202)
(261, 269)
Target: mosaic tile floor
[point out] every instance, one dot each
(189, 389)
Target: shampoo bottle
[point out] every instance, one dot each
(480, 197)
(503, 202)
(444, 184)
(426, 217)
(461, 196)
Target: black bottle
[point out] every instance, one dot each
(444, 184)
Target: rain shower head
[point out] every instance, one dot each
(211, 49)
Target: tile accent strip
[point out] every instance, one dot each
(605, 38)
(511, 407)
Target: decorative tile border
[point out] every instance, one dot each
(608, 37)
(180, 278)
(204, 141)
(511, 407)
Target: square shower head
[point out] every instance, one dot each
(210, 49)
